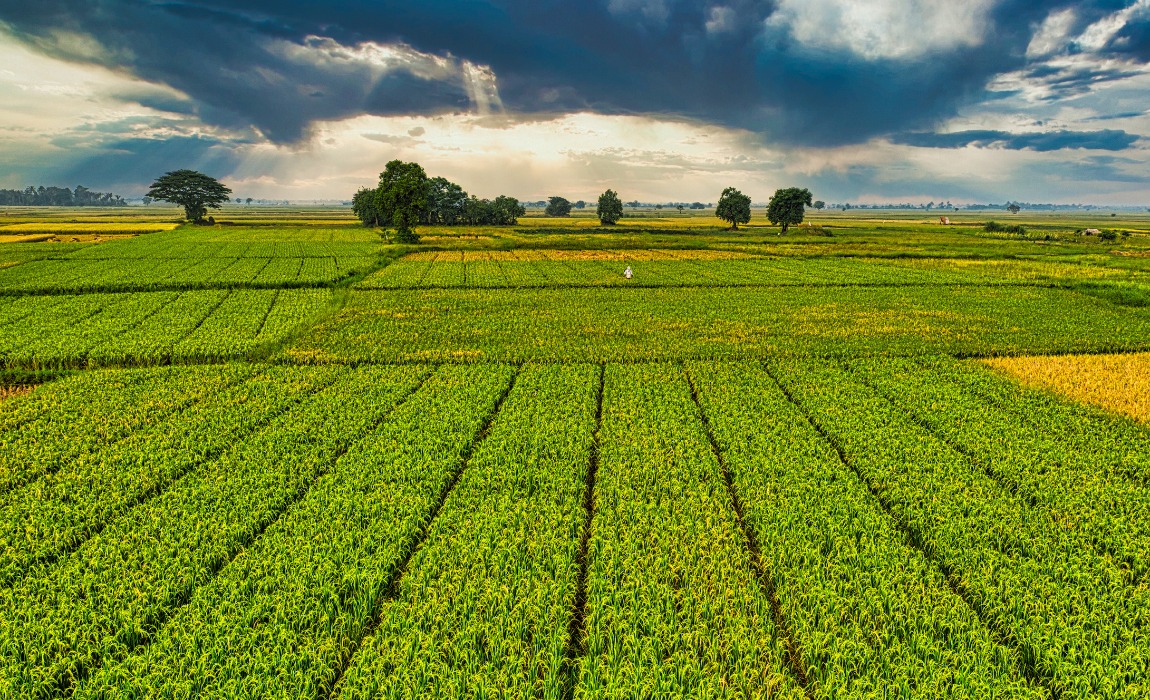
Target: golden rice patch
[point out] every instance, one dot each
(1118, 383)
(102, 227)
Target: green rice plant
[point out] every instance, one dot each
(869, 615)
(63, 420)
(673, 606)
(279, 271)
(247, 318)
(1079, 489)
(57, 512)
(484, 606)
(150, 341)
(118, 588)
(16, 309)
(99, 318)
(284, 615)
(1027, 576)
(598, 324)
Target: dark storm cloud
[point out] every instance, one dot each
(716, 61)
(1133, 40)
(1105, 140)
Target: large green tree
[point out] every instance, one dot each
(363, 205)
(193, 191)
(401, 198)
(734, 207)
(558, 206)
(446, 202)
(786, 207)
(610, 208)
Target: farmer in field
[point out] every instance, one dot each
(627, 273)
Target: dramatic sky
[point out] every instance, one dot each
(860, 100)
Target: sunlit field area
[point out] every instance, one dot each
(284, 456)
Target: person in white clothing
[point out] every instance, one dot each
(627, 273)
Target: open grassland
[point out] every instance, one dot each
(281, 457)
(1119, 383)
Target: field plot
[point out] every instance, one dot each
(176, 274)
(694, 530)
(619, 324)
(277, 242)
(259, 460)
(705, 268)
(148, 328)
(94, 227)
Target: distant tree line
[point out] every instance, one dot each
(406, 197)
(59, 197)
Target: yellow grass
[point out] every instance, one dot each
(30, 238)
(103, 227)
(1118, 383)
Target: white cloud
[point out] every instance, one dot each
(374, 61)
(1053, 36)
(884, 29)
(1099, 34)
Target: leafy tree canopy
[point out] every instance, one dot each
(401, 198)
(193, 191)
(363, 205)
(734, 207)
(610, 208)
(558, 206)
(786, 207)
(406, 197)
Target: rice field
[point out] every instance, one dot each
(1117, 383)
(283, 458)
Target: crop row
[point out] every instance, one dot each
(528, 268)
(869, 615)
(149, 328)
(606, 325)
(1080, 628)
(1083, 489)
(280, 242)
(457, 605)
(673, 606)
(63, 420)
(55, 513)
(484, 605)
(114, 592)
(193, 272)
